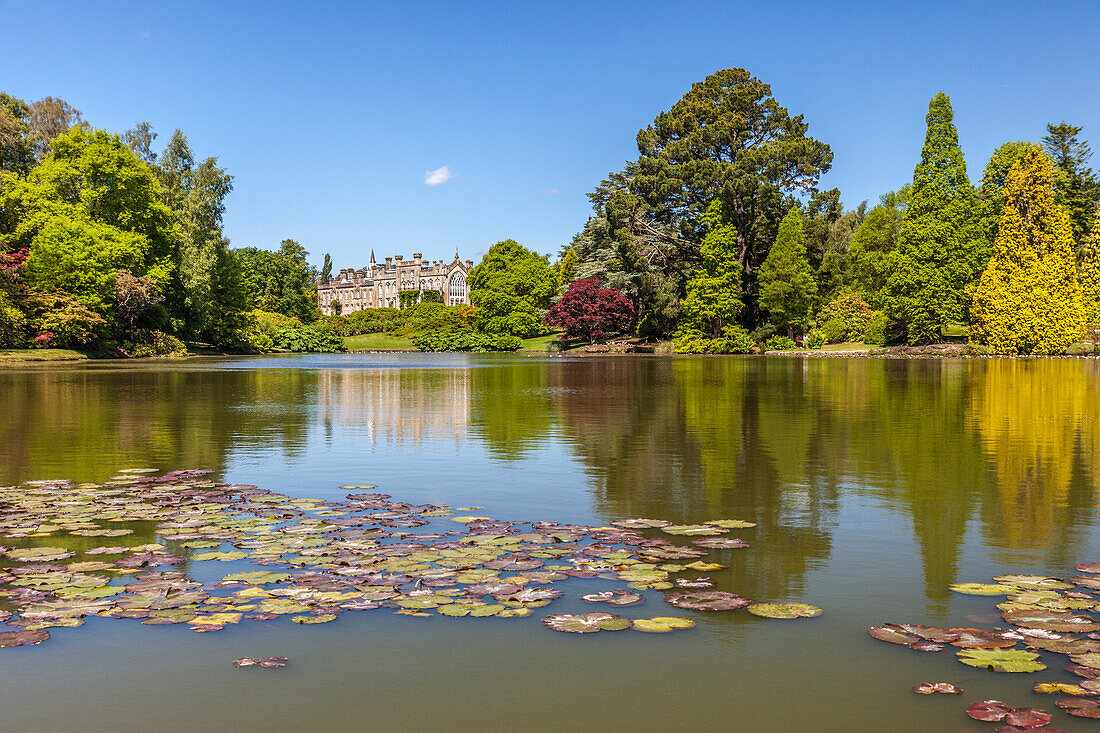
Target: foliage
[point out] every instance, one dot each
(940, 247)
(873, 241)
(512, 288)
(196, 195)
(1089, 275)
(69, 322)
(281, 281)
(306, 338)
(466, 341)
(134, 297)
(590, 312)
(1028, 301)
(326, 268)
(876, 330)
(154, 343)
(13, 322)
(787, 285)
(1081, 186)
(780, 343)
(712, 303)
(853, 311)
(815, 339)
(835, 330)
(734, 340)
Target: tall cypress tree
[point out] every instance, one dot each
(787, 285)
(1028, 300)
(941, 248)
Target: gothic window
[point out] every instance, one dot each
(458, 289)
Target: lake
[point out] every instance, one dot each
(875, 484)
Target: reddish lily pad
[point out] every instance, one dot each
(943, 688)
(720, 543)
(586, 623)
(707, 600)
(19, 638)
(1080, 708)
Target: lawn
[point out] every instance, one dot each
(22, 356)
(540, 344)
(378, 341)
(848, 346)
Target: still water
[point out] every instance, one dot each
(875, 484)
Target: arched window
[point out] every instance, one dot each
(458, 289)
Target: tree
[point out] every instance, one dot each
(512, 288)
(590, 312)
(280, 282)
(16, 151)
(713, 298)
(196, 196)
(873, 241)
(337, 307)
(1028, 300)
(787, 286)
(326, 269)
(50, 118)
(133, 297)
(727, 138)
(1089, 275)
(941, 248)
(140, 139)
(1082, 189)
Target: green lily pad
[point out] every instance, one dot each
(731, 523)
(693, 530)
(1001, 660)
(321, 618)
(784, 610)
(982, 589)
(662, 624)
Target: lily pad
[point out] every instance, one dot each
(982, 589)
(1001, 660)
(586, 623)
(1050, 620)
(662, 624)
(731, 523)
(693, 530)
(640, 523)
(784, 610)
(707, 600)
(1036, 582)
(720, 543)
(1080, 708)
(19, 638)
(989, 711)
(321, 618)
(614, 597)
(943, 688)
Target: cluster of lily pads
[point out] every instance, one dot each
(1042, 614)
(317, 559)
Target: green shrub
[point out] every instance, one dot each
(978, 350)
(154, 343)
(815, 339)
(780, 343)
(876, 330)
(834, 330)
(13, 323)
(466, 341)
(853, 311)
(307, 339)
(735, 341)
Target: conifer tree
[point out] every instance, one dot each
(1089, 275)
(712, 301)
(1028, 300)
(940, 248)
(787, 286)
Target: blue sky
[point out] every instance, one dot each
(331, 115)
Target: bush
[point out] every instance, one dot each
(69, 323)
(834, 330)
(762, 333)
(815, 339)
(466, 341)
(13, 323)
(853, 311)
(307, 339)
(876, 330)
(154, 343)
(735, 341)
(780, 343)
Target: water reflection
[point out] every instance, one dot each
(1000, 452)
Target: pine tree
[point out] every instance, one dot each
(940, 248)
(1028, 300)
(712, 301)
(787, 286)
(1089, 275)
(1081, 187)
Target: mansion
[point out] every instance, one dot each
(380, 286)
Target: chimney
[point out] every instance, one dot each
(416, 257)
(469, 264)
(389, 262)
(398, 258)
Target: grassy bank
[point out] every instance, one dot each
(378, 341)
(539, 343)
(24, 356)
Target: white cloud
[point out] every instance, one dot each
(438, 176)
(552, 192)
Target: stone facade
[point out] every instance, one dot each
(378, 285)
